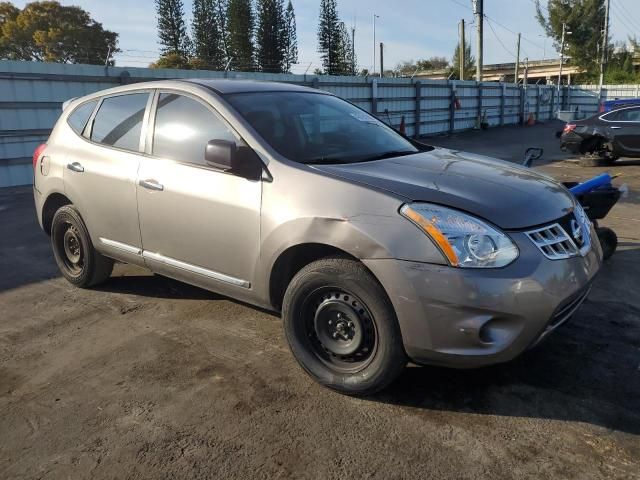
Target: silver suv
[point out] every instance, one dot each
(376, 249)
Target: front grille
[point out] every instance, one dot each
(569, 237)
(553, 242)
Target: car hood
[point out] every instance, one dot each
(508, 195)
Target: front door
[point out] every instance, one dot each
(625, 132)
(197, 223)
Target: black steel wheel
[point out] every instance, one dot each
(342, 328)
(77, 260)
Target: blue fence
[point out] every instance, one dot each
(32, 93)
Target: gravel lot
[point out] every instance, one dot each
(150, 378)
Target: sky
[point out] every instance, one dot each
(409, 29)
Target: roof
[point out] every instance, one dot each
(224, 87)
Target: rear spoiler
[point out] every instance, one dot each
(66, 103)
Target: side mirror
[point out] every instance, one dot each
(228, 157)
(221, 154)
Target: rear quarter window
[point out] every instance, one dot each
(118, 122)
(77, 120)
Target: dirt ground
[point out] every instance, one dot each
(150, 378)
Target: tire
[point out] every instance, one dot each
(608, 241)
(75, 256)
(341, 327)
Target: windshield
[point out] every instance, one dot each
(317, 128)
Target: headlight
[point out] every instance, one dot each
(465, 240)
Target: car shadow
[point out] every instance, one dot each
(155, 286)
(587, 371)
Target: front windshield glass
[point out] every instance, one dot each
(316, 128)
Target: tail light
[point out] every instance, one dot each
(569, 127)
(37, 153)
(601, 108)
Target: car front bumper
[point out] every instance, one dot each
(469, 318)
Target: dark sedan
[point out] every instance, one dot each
(606, 136)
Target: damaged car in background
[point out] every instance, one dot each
(605, 137)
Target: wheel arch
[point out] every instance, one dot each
(292, 260)
(51, 205)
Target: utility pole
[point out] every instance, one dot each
(462, 50)
(515, 78)
(381, 59)
(478, 10)
(373, 71)
(605, 39)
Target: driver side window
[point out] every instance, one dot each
(183, 127)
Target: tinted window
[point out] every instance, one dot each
(78, 119)
(316, 128)
(119, 121)
(183, 128)
(629, 115)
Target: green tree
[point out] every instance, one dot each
(172, 29)
(240, 25)
(469, 64)
(329, 37)
(334, 42)
(269, 36)
(290, 38)
(345, 53)
(585, 21)
(207, 41)
(50, 32)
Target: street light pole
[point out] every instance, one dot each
(605, 39)
(564, 32)
(374, 42)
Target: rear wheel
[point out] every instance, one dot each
(342, 328)
(598, 155)
(77, 260)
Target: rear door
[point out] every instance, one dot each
(624, 129)
(100, 174)
(198, 224)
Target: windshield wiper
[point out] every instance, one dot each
(380, 156)
(391, 154)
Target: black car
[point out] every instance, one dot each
(604, 137)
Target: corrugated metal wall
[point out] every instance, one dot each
(31, 96)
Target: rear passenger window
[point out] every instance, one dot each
(78, 118)
(183, 128)
(630, 115)
(118, 122)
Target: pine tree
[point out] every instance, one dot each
(222, 8)
(207, 41)
(172, 29)
(240, 28)
(345, 53)
(269, 36)
(290, 39)
(469, 64)
(329, 37)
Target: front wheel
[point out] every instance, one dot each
(77, 260)
(342, 328)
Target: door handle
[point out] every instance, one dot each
(151, 185)
(615, 128)
(75, 167)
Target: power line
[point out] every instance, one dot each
(498, 38)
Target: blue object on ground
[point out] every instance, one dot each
(592, 184)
